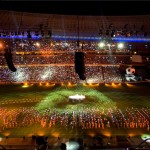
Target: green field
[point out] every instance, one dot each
(99, 98)
(135, 95)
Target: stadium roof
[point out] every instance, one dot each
(75, 18)
(80, 7)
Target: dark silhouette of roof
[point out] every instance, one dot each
(80, 7)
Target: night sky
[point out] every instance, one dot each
(80, 7)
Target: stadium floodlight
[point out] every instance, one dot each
(37, 44)
(108, 44)
(120, 45)
(101, 44)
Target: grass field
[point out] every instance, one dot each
(102, 98)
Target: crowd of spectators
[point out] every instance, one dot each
(50, 60)
(58, 74)
(68, 58)
(63, 45)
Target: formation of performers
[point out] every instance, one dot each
(90, 118)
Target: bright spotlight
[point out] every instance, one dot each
(76, 97)
(72, 145)
(37, 44)
(101, 44)
(120, 45)
(1, 45)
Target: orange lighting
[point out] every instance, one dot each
(115, 85)
(91, 134)
(55, 134)
(131, 134)
(1, 45)
(71, 84)
(108, 134)
(106, 84)
(7, 133)
(29, 135)
(62, 84)
(130, 85)
(40, 133)
(53, 84)
(85, 84)
(25, 85)
(91, 84)
(47, 84)
(40, 84)
(94, 84)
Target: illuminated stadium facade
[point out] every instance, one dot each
(43, 46)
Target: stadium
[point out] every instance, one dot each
(78, 80)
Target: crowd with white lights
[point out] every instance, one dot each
(29, 45)
(47, 60)
(58, 74)
(89, 119)
(68, 58)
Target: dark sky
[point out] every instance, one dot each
(80, 7)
